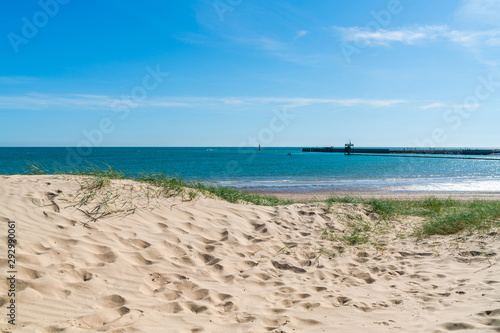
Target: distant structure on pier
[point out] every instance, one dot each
(349, 150)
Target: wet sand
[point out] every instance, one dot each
(319, 196)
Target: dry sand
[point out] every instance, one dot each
(168, 265)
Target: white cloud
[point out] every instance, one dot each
(424, 33)
(102, 102)
(385, 37)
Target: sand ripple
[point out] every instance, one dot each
(212, 266)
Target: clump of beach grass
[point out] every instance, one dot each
(171, 185)
(441, 216)
(35, 168)
(476, 215)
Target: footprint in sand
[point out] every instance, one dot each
(365, 277)
(107, 257)
(208, 259)
(111, 301)
(140, 244)
(310, 306)
(458, 326)
(196, 308)
(197, 295)
(490, 318)
(342, 300)
(243, 318)
(101, 318)
(224, 297)
(171, 307)
(286, 266)
(172, 295)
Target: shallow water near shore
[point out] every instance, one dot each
(275, 169)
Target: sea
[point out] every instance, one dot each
(272, 169)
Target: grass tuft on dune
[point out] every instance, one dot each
(172, 186)
(441, 216)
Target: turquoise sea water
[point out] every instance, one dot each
(274, 170)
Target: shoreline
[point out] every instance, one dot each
(323, 195)
(301, 194)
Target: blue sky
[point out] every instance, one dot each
(244, 72)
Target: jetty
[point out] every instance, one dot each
(349, 149)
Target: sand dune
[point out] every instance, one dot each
(158, 264)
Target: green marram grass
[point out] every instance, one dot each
(172, 186)
(441, 216)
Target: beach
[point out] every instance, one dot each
(250, 166)
(123, 256)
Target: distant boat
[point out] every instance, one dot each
(289, 154)
(259, 147)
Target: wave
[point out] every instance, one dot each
(370, 185)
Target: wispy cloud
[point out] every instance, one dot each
(434, 106)
(420, 33)
(102, 102)
(266, 102)
(385, 37)
(301, 34)
(440, 105)
(35, 101)
(487, 37)
(345, 102)
(264, 43)
(286, 51)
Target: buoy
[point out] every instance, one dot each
(259, 147)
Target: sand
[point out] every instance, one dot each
(165, 264)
